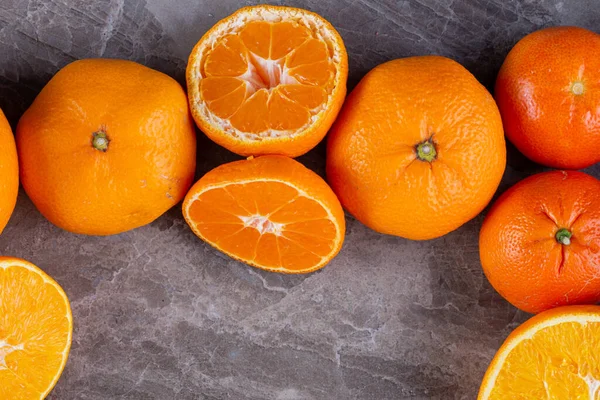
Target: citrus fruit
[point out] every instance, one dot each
(268, 80)
(540, 243)
(418, 148)
(269, 212)
(554, 355)
(548, 94)
(35, 330)
(107, 146)
(9, 172)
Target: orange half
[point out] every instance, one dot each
(36, 325)
(554, 355)
(269, 212)
(268, 80)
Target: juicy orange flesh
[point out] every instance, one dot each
(268, 76)
(560, 362)
(34, 330)
(269, 224)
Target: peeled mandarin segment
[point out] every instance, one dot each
(308, 96)
(317, 74)
(285, 114)
(228, 58)
(269, 196)
(229, 104)
(294, 256)
(214, 88)
(309, 52)
(286, 37)
(256, 36)
(267, 251)
(301, 209)
(242, 244)
(253, 115)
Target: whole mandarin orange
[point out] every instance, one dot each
(107, 146)
(548, 92)
(418, 149)
(9, 172)
(540, 243)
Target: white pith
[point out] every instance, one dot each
(262, 224)
(499, 361)
(315, 24)
(6, 349)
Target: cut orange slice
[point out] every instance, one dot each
(35, 330)
(270, 212)
(268, 80)
(554, 355)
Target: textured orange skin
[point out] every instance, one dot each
(291, 147)
(150, 161)
(519, 253)
(277, 168)
(9, 172)
(542, 117)
(533, 325)
(371, 159)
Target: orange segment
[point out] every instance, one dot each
(301, 210)
(309, 96)
(228, 58)
(554, 355)
(253, 115)
(309, 52)
(226, 94)
(269, 212)
(256, 36)
(317, 74)
(285, 114)
(268, 48)
(35, 330)
(286, 37)
(214, 88)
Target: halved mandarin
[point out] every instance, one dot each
(268, 80)
(554, 355)
(36, 325)
(270, 212)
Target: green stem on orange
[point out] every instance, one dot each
(426, 151)
(100, 141)
(563, 236)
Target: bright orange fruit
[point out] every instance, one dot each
(268, 80)
(548, 94)
(35, 331)
(270, 212)
(554, 355)
(418, 149)
(9, 172)
(540, 243)
(107, 146)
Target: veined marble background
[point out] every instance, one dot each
(161, 315)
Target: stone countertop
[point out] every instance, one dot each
(161, 315)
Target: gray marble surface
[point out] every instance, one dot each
(161, 315)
